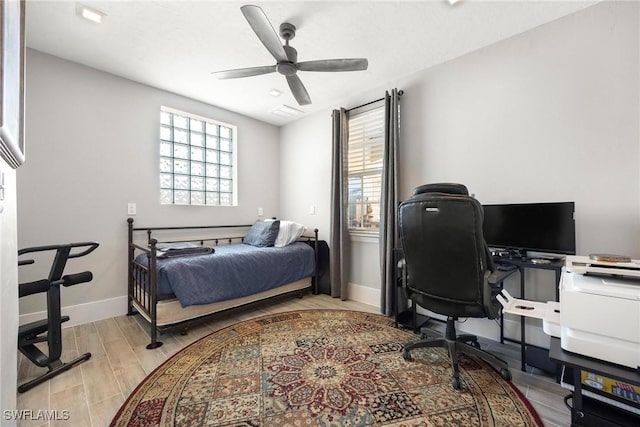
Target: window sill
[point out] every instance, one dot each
(364, 236)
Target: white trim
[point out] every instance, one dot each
(364, 294)
(364, 238)
(84, 313)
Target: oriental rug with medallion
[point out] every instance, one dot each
(320, 367)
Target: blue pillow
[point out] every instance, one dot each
(262, 234)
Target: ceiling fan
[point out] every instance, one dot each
(286, 57)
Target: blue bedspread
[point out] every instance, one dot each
(232, 271)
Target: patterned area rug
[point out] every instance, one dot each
(320, 367)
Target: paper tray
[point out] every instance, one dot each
(548, 312)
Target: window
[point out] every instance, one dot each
(365, 142)
(198, 164)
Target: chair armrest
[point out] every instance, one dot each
(402, 270)
(498, 276)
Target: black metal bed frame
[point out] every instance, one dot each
(142, 280)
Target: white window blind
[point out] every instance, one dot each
(198, 163)
(364, 166)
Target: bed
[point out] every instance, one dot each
(179, 274)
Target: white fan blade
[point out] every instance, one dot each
(244, 72)
(265, 32)
(354, 64)
(299, 91)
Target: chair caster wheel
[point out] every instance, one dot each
(505, 374)
(455, 382)
(406, 355)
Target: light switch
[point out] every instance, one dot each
(260, 211)
(131, 209)
(312, 209)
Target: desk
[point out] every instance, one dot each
(521, 264)
(588, 411)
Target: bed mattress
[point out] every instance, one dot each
(232, 271)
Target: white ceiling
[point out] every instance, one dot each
(175, 45)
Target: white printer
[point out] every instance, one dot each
(599, 310)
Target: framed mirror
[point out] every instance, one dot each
(12, 62)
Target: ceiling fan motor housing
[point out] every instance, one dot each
(288, 68)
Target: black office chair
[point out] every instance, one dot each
(448, 268)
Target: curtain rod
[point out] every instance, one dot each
(400, 93)
(367, 103)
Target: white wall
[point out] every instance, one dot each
(8, 291)
(92, 143)
(549, 115)
(305, 172)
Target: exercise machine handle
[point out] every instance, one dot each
(63, 253)
(31, 288)
(74, 279)
(91, 246)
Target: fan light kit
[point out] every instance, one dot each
(286, 57)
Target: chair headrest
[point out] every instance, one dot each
(442, 187)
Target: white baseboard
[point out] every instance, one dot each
(103, 309)
(84, 313)
(364, 294)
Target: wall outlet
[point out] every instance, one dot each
(312, 209)
(131, 209)
(260, 211)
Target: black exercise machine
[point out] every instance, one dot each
(49, 330)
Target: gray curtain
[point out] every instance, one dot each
(339, 232)
(389, 203)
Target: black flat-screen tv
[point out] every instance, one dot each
(536, 227)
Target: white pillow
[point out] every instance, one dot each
(288, 233)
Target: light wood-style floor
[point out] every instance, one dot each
(93, 391)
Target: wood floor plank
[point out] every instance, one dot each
(75, 402)
(129, 377)
(132, 332)
(108, 330)
(99, 381)
(35, 399)
(120, 354)
(149, 359)
(88, 340)
(68, 379)
(103, 412)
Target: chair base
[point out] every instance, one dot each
(464, 343)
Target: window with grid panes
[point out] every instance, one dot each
(197, 160)
(364, 165)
